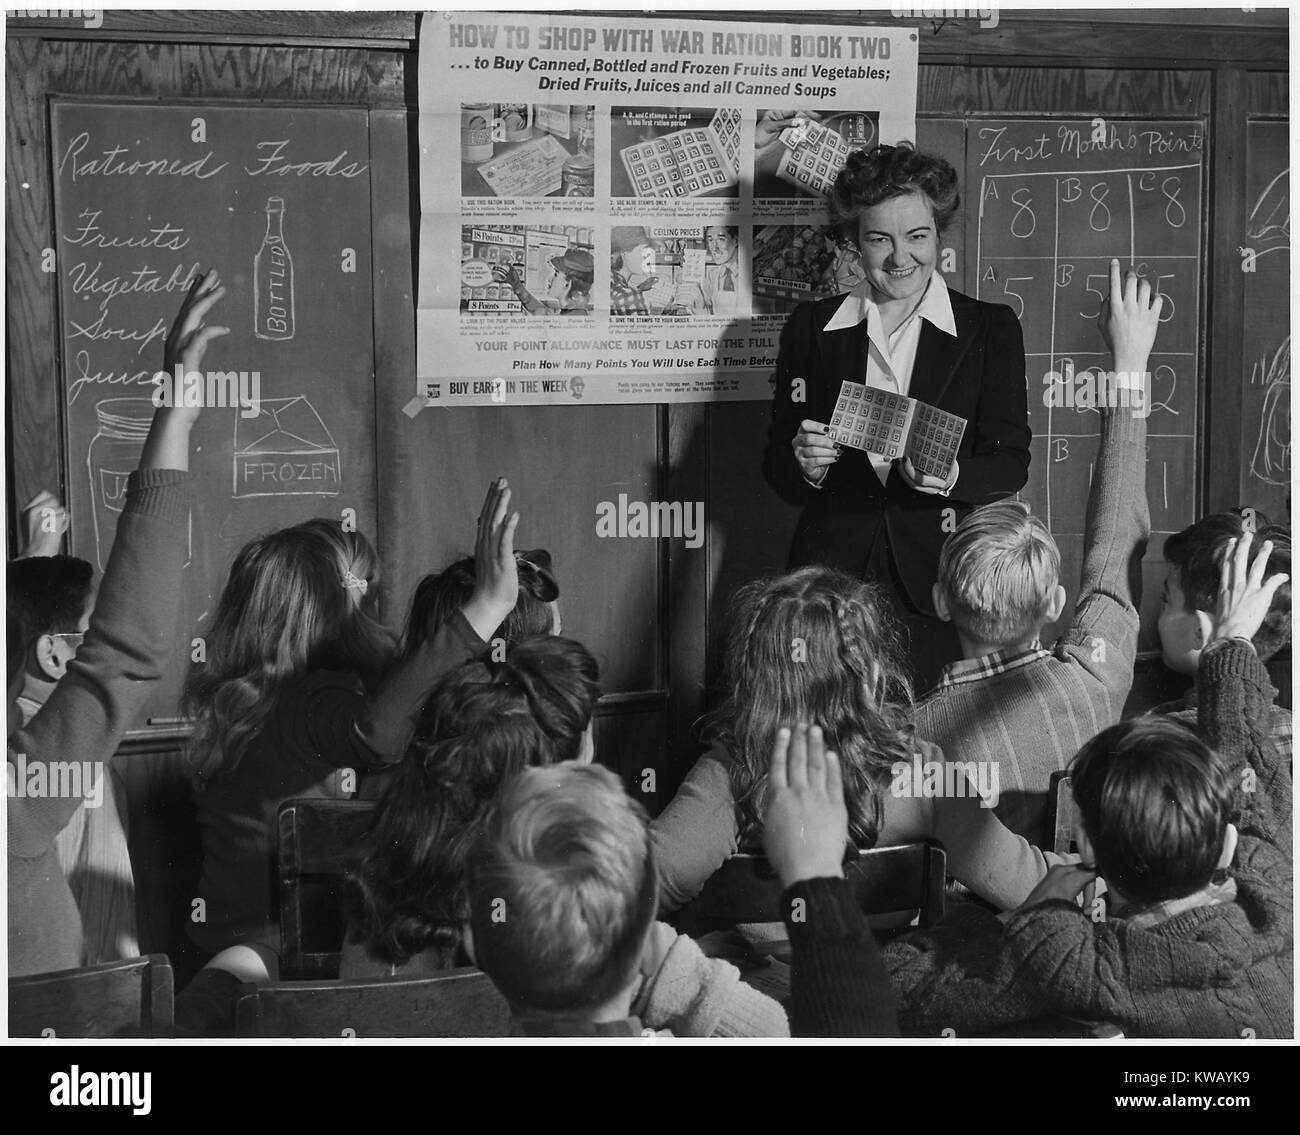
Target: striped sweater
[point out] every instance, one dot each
(1030, 720)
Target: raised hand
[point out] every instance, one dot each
(1129, 319)
(496, 573)
(1244, 594)
(188, 339)
(806, 829)
(168, 444)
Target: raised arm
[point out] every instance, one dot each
(131, 631)
(1103, 634)
(1234, 695)
(386, 724)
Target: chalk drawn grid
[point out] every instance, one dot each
(1074, 335)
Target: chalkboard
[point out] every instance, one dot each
(1047, 203)
(277, 199)
(1264, 240)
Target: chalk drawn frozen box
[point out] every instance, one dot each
(285, 450)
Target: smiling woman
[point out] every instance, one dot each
(904, 331)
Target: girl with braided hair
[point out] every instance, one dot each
(820, 647)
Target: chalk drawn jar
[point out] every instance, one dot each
(123, 426)
(273, 279)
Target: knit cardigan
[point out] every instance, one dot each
(1221, 970)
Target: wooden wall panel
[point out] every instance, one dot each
(561, 463)
(995, 90)
(32, 406)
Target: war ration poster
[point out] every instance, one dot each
(626, 208)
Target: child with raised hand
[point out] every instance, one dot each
(440, 594)
(1195, 556)
(1012, 701)
(1192, 835)
(838, 984)
(816, 645)
(124, 652)
(293, 701)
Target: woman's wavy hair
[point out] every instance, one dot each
(818, 646)
(440, 595)
(872, 176)
(297, 600)
(481, 724)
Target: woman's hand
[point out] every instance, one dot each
(496, 573)
(924, 482)
(814, 451)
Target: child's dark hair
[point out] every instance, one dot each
(300, 599)
(481, 724)
(1197, 552)
(49, 594)
(870, 177)
(1155, 801)
(440, 595)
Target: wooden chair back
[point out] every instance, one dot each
(885, 880)
(458, 1003)
(132, 998)
(318, 840)
(1063, 814)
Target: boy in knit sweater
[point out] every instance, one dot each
(1011, 704)
(57, 758)
(1195, 556)
(1193, 838)
(563, 900)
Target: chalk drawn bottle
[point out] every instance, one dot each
(273, 278)
(114, 454)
